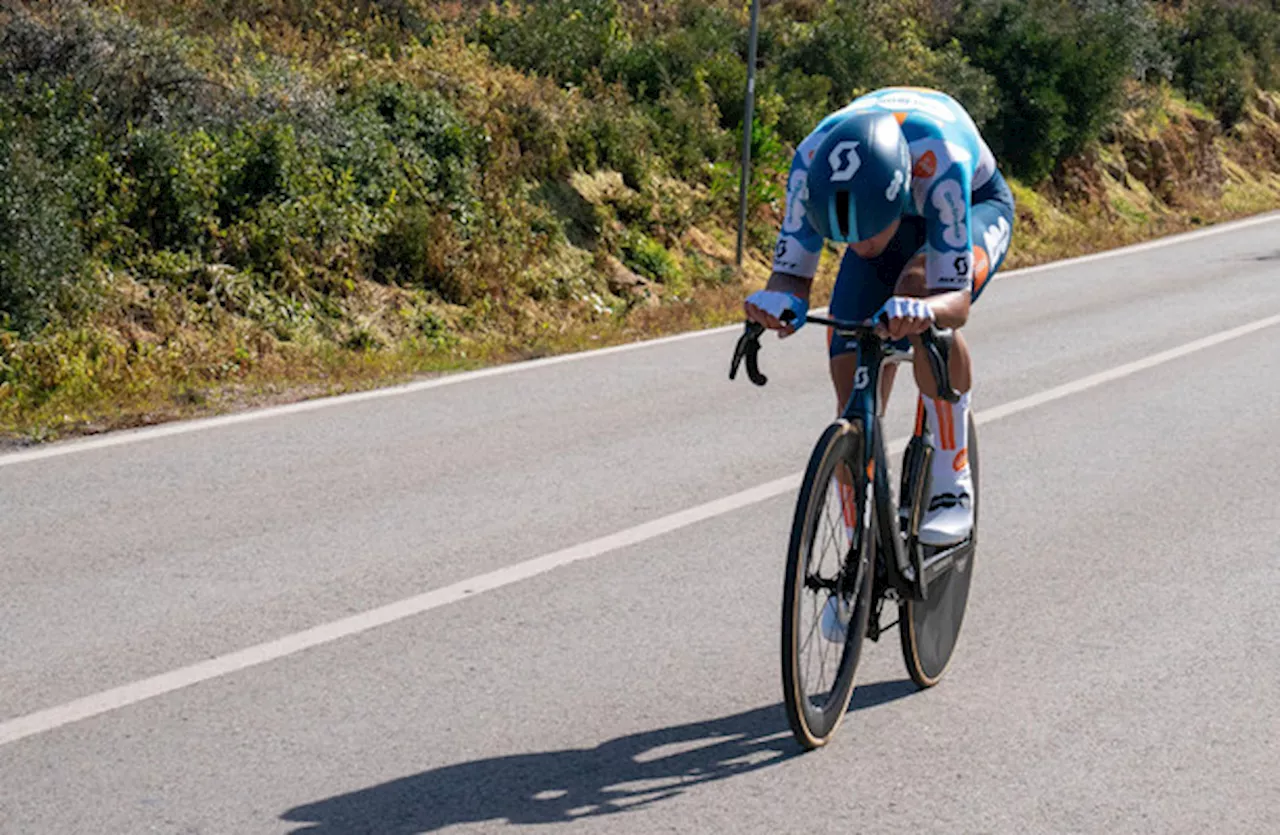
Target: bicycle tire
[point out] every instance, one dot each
(814, 722)
(930, 629)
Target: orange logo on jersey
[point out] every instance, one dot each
(981, 267)
(962, 460)
(926, 166)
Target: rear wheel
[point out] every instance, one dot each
(829, 572)
(930, 628)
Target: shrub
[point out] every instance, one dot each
(703, 55)
(173, 187)
(563, 39)
(613, 134)
(649, 258)
(1059, 68)
(407, 138)
(1210, 62)
(134, 75)
(40, 253)
(1257, 27)
(421, 249)
(806, 100)
(839, 45)
(688, 133)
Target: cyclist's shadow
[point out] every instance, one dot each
(556, 786)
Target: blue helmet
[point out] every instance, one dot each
(859, 178)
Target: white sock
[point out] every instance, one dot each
(949, 426)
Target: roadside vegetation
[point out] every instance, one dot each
(207, 205)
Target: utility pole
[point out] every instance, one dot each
(748, 112)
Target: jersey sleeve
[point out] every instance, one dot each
(799, 245)
(947, 212)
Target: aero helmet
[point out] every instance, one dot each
(860, 177)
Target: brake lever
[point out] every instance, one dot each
(937, 344)
(748, 348)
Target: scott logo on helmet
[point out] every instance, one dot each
(844, 161)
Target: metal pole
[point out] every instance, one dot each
(748, 111)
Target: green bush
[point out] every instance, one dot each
(1257, 26)
(172, 186)
(704, 55)
(134, 74)
(806, 100)
(563, 39)
(688, 135)
(841, 45)
(41, 258)
(1059, 67)
(420, 249)
(1211, 62)
(613, 134)
(649, 258)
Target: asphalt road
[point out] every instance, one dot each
(1118, 671)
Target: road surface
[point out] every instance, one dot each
(547, 597)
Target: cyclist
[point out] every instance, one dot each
(902, 176)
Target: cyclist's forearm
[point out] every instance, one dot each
(950, 309)
(788, 283)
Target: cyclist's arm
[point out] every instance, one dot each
(950, 308)
(795, 257)
(949, 259)
(788, 283)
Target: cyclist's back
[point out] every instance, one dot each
(950, 162)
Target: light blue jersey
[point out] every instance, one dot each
(950, 160)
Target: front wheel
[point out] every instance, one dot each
(827, 593)
(930, 628)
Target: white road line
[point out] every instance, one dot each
(185, 427)
(129, 694)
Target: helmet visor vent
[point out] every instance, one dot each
(843, 199)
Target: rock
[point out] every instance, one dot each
(1268, 108)
(627, 284)
(1115, 169)
(699, 241)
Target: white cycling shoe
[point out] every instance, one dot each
(949, 519)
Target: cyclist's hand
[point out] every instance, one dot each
(903, 316)
(770, 308)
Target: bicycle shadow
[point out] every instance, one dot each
(617, 776)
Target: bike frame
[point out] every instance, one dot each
(908, 569)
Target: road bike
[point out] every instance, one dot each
(854, 549)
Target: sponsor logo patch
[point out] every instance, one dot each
(981, 267)
(926, 166)
(997, 238)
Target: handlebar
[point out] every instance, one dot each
(937, 344)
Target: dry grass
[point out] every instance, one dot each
(126, 369)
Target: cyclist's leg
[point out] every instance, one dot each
(949, 515)
(862, 287)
